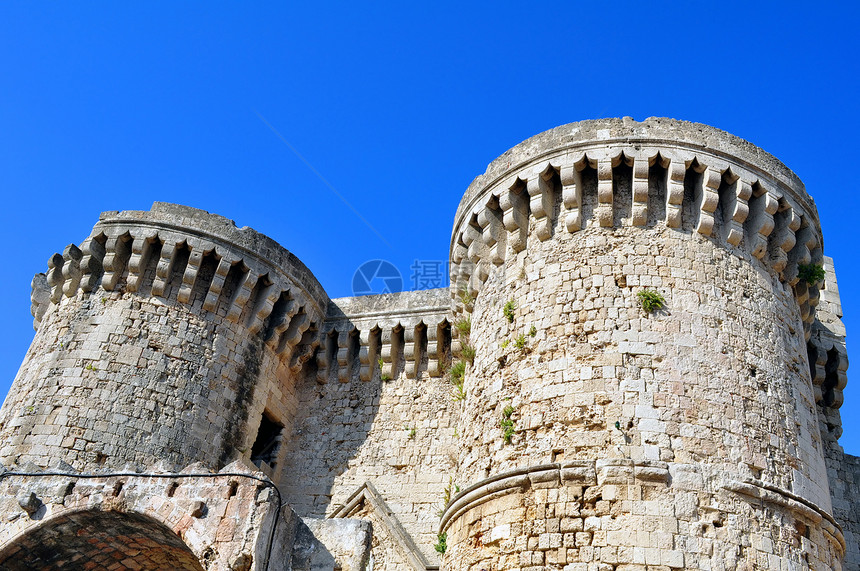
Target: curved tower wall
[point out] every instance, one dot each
(673, 438)
(165, 338)
(587, 434)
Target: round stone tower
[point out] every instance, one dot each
(168, 336)
(599, 430)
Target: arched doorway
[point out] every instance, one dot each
(87, 540)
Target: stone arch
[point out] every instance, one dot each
(93, 539)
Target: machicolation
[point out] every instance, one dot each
(638, 366)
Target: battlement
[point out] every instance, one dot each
(194, 258)
(406, 332)
(619, 173)
(534, 415)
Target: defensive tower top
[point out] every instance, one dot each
(617, 173)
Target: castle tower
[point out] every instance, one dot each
(596, 432)
(638, 366)
(169, 336)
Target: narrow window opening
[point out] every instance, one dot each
(265, 449)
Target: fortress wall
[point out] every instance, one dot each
(704, 412)
(396, 434)
(844, 474)
(587, 433)
(151, 368)
(710, 395)
(164, 337)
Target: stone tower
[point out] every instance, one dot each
(192, 388)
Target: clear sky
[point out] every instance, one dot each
(113, 105)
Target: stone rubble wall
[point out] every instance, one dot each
(220, 521)
(844, 475)
(549, 251)
(392, 426)
(159, 344)
(587, 435)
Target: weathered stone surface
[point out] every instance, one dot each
(531, 416)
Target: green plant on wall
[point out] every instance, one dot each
(520, 342)
(457, 375)
(532, 331)
(810, 273)
(651, 300)
(508, 310)
(441, 543)
(382, 375)
(467, 352)
(457, 372)
(466, 298)
(507, 424)
(464, 326)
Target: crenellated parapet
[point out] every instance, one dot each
(196, 259)
(385, 336)
(637, 364)
(827, 353)
(619, 173)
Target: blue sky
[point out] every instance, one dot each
(111, 106)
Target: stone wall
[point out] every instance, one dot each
(396, 432)
(533, 416)
(552, 247)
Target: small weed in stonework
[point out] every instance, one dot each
(466, 298)
(533, 331)
(90, 367)
(468, 352)
(520, 342)
(451, 490)
(457, 375)
(651, 300)
(464, 326)
(382, 375)
(508, 310)
(505, 343)
(441, 543)
(457, 372)
(506, 424)
(411, 431)
(810, 273)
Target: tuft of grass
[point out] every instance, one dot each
(466, 298)
(505, 343)
(651, 300)
(464, 326)
(457, 372)
(508, 310)
(810, 273)
(533, 331)
(382, 375)
(411, 431)
(468, 352)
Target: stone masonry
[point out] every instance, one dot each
(193, 399)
